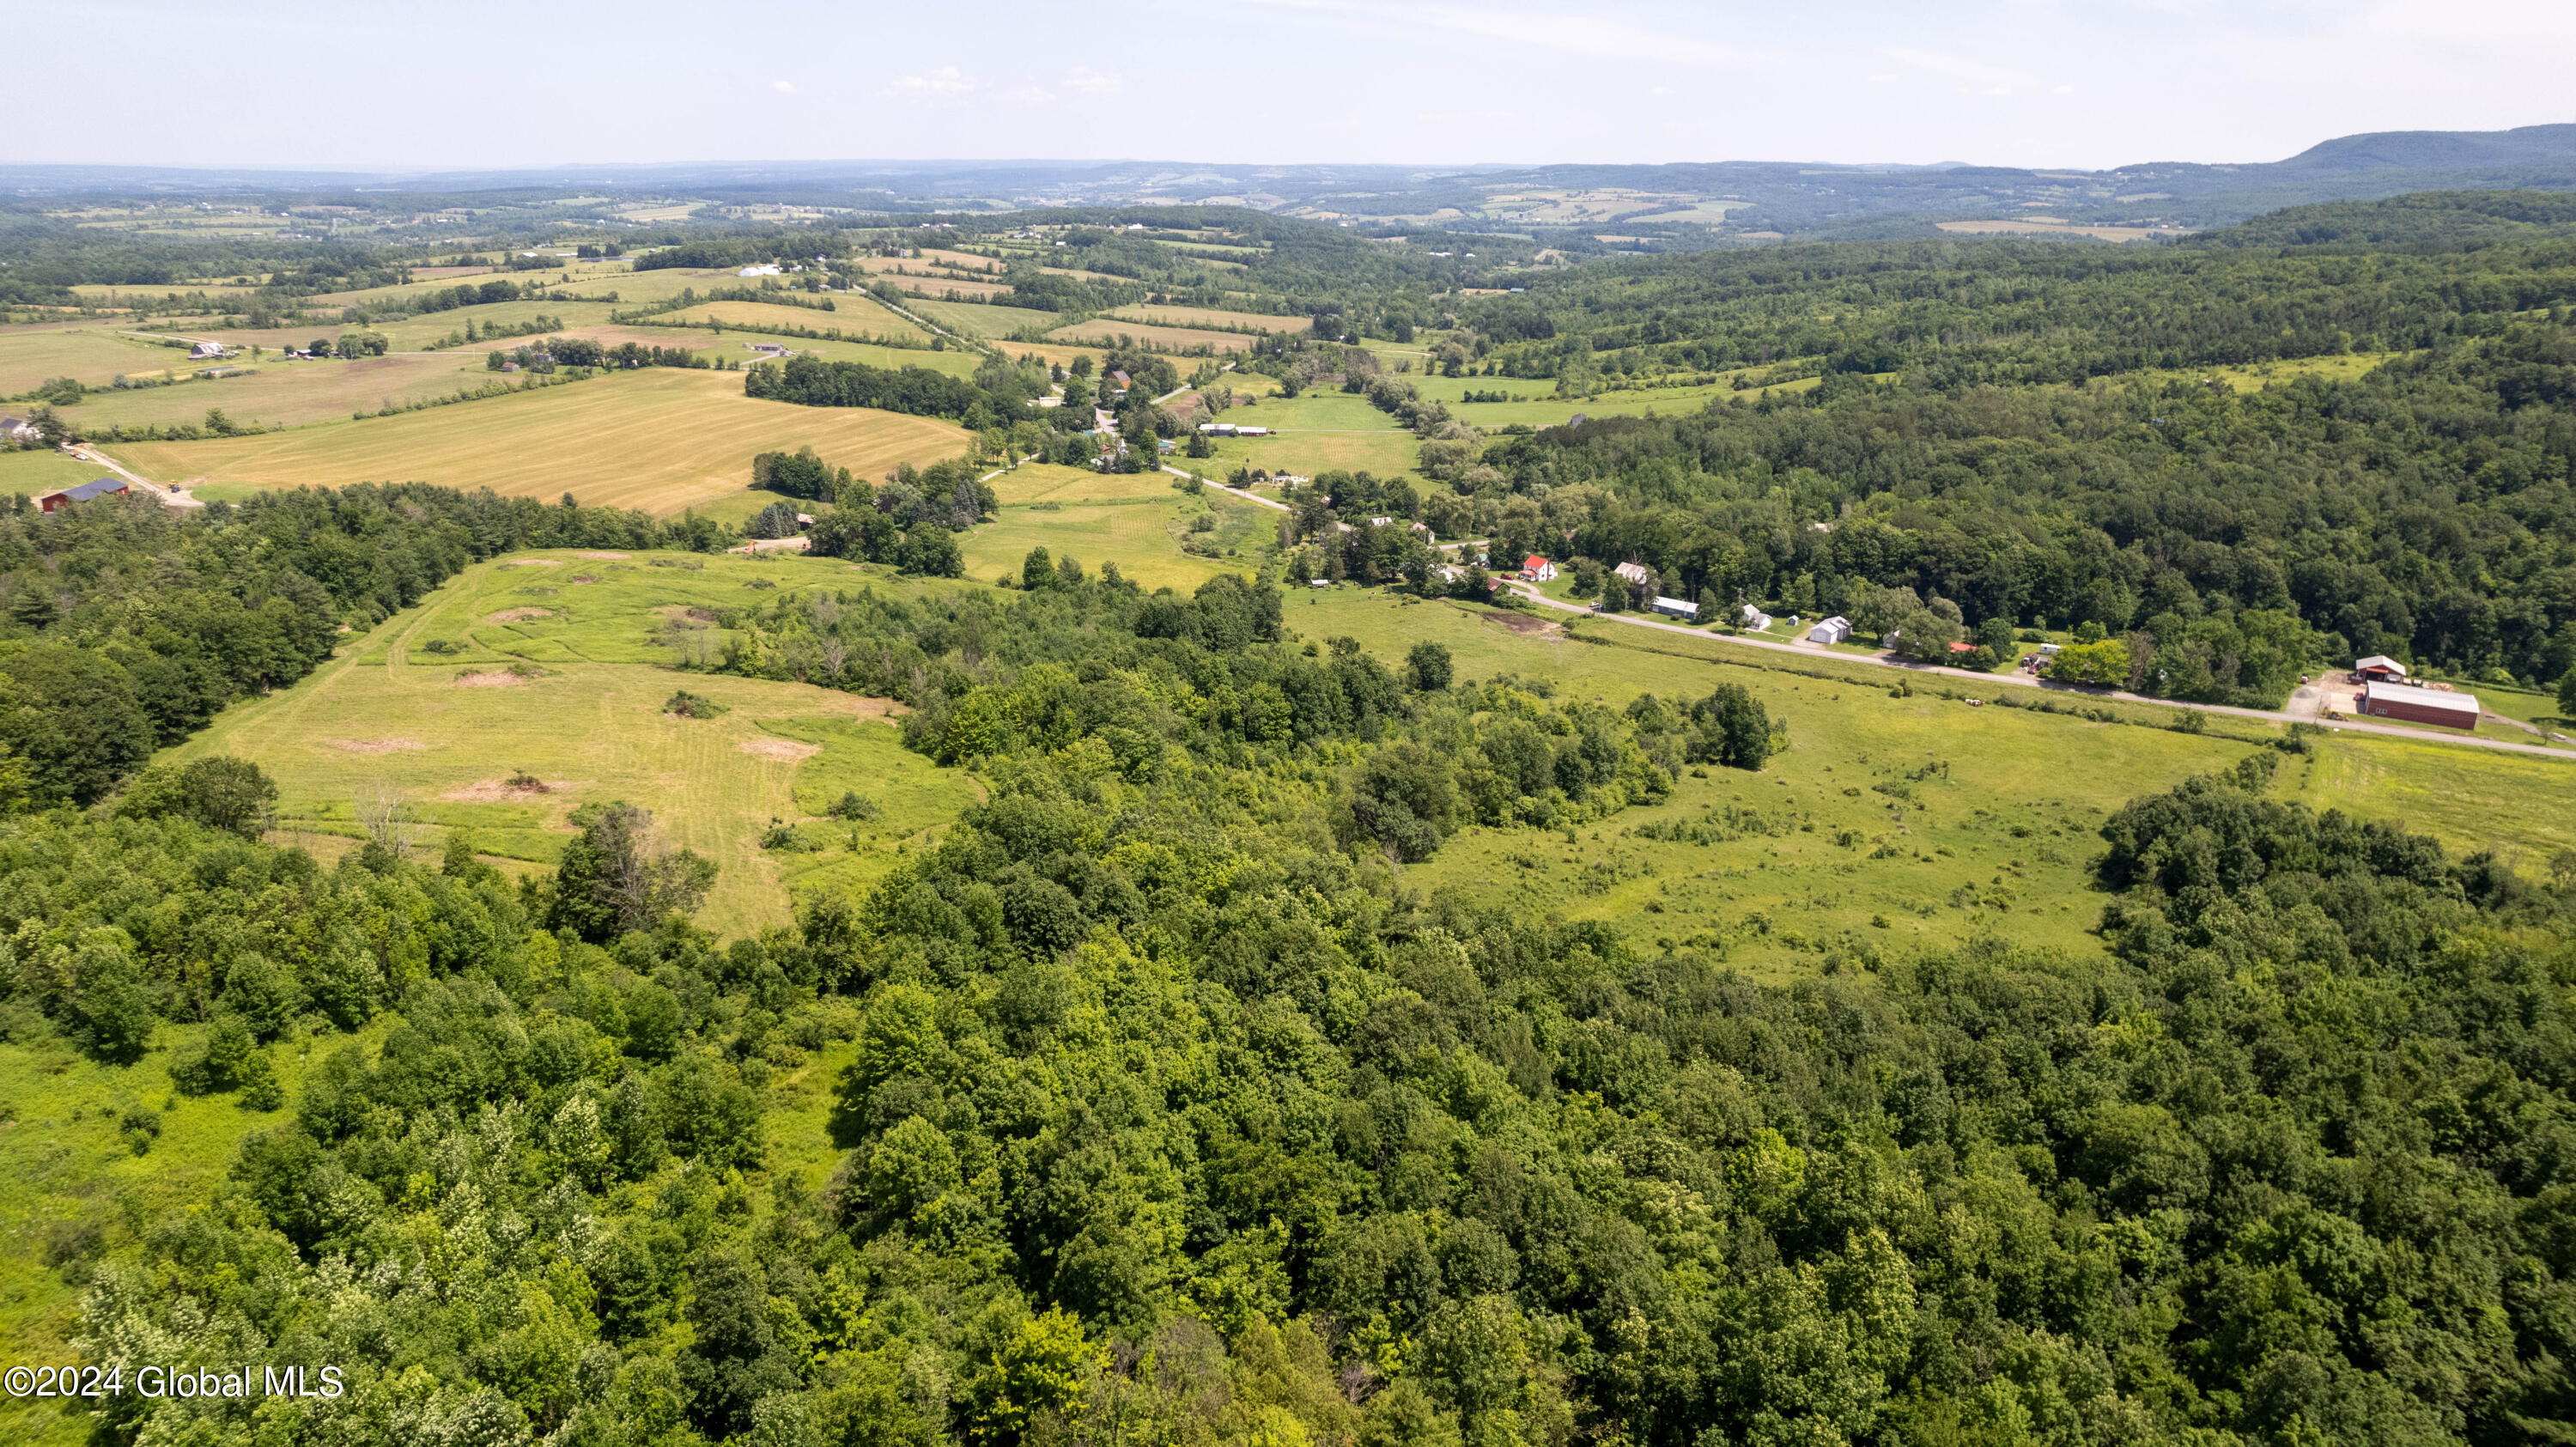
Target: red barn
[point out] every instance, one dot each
(2407, 703)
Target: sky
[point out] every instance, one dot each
(2089, 84)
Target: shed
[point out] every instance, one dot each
(2406, 702)
(1676, 608)
(2378, 668)
(1831, 630)
(96, 487)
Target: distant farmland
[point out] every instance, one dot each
(659, 440)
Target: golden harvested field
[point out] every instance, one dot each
(412, 334)
(285, 393)
(1184, 316)
(1105, 331)
(1075, 271)
(92, 355)
(939, 288)
(851, 315)
(657, 285)
(659, 440)
(922, 260)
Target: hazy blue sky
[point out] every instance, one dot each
(2022, 82)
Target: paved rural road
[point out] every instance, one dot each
(2019, 680)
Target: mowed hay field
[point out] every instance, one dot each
(1183, 316)
(2474, 800)
(30, 356)
(1105, 331)
(284, 393)
(940, 287)
(658, 439)
(443, 732)
(974, 319)
(849, 315)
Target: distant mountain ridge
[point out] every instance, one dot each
(1582, 206)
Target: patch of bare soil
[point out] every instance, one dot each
(519, 615)
(376, 746)
(603, 555)
(868, 707)
(678, 611)
(533, 563)
(1524, 623)
(580, 578)
(502, 679)
(786, 750)
(502, 791)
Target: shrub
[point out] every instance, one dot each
(690, 705)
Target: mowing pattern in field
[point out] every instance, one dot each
(658, 440)
(277, 392)
(851, 314)
(31, 355)
(1137, 520)
(1105, 331)
(1185, 317)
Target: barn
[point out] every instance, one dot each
(2407, 703)
(2378, 668)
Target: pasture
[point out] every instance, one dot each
(91, 355)
(659, 439)
(974, 319)
(944, 287)
(591, 726)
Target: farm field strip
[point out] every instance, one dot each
(659, 439)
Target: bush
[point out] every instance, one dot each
(690, 705)
(854, 807)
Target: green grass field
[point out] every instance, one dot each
(283, 392)
(1315, 433)
(89, 355)
(32, 472)
(592, 725)
(659, 439)
(1138, 520)
(974, 319)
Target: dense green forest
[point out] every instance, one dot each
(1171, 1118)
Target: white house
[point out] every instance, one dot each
(1676, 608)
(1538, 569)
(1831, 630)
(1753, 618)
(1635, 573)
(203, 350)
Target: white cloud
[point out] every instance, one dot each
(783, 87)
(1992, 79)
(947, 80)
(1091, 82)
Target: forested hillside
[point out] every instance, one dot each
(2419, 508)
(1166, 1119)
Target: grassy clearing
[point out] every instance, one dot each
(281, 392)
(1999, 842)
(2524, 809)
(94, 356)
(660, 440)
(1105, 331)
(973, 319)
(592, 726)
(1138, 521)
